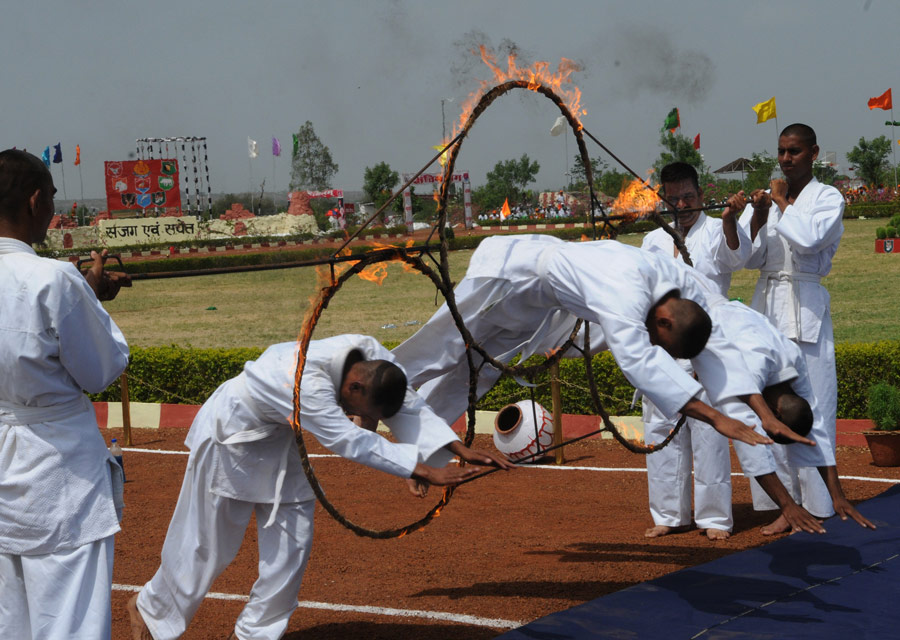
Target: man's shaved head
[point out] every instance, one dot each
(796, 413)
(802, 131)
(386, 385)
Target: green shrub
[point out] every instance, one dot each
(884, 406)
(189, 376)
(872, 209)
(895, 221)
(881, 233)
(891, 232)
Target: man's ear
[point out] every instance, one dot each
(33, 200)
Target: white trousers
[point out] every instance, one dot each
(669, 473)
(58, 596)
(805, 484)
(435, 357)
(204, 536)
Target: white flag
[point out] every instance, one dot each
(251, 147)
(559, 126)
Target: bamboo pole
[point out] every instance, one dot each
(556, 397)
(126, 410)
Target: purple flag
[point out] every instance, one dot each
(57, 153)
(276, 147)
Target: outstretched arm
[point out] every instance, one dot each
(799, 518)
(728, 427)
(474, 456)
(842, 506)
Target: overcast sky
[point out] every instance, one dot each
(371, 76)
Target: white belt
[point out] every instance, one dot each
(20, 415)
(790, 278)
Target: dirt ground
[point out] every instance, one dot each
(512, 546)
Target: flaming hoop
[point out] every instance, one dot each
(537, 80)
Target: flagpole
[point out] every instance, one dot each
(250, 166)
(893, 146)
(62, 168)
(81, 181)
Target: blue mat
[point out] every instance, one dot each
(841, 585)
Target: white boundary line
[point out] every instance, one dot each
(539, 466)
(462, 618)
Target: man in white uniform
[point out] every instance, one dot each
(244, 459)
(795, 233)
(779, 369)
(60, 489)
(521, 294)
(717, 247)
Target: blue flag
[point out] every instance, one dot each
(57, 153)
(46, 157)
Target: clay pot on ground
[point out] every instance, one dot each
(884, 447)
(515, 434)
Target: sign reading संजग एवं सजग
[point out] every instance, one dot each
(137, 185)
(117, 232)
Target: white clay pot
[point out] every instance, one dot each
(515, 434)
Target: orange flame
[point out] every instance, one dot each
(537, 75)
(636, 199)
(374, 273)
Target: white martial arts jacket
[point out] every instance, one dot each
(771, 359)
(708, 247)
(56, 341)
(613, 286)
(248, 421)
(793, 251)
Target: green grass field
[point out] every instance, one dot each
(258, 309)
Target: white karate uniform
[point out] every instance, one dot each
(772, 359)
(244, 459)
(793, 251)
(60, 489)
(523, 293)
(669, 469)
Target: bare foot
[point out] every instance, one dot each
(779, 526)
(717, 534)
(662, 530)
(139, 630)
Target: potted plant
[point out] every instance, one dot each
(884, 411)
(886, 237)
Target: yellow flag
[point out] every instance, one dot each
(505, 212)
(765, 110)
(443, 159)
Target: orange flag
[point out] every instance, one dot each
(882, 102)
(77, 154)
(505, 212)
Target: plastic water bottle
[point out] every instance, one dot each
(116, 452)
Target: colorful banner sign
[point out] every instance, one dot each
(428, 178)
(117, 232)
(137, 185)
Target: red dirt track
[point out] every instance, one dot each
(511, 546)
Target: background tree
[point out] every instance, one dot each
(870, 159)
(677, 148)
(312, 167)
(508, 179)
(378, 184)
(824, 172)
(759, 176)
(578, 177)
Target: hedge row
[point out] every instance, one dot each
(872, 209)
(189, 376)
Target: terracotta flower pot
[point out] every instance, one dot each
(885, 447)
(514, 430)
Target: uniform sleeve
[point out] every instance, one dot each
(321, 416)
(726, 259)
(92, 349)
(757, 257)
(417, 424)
(810, 231)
